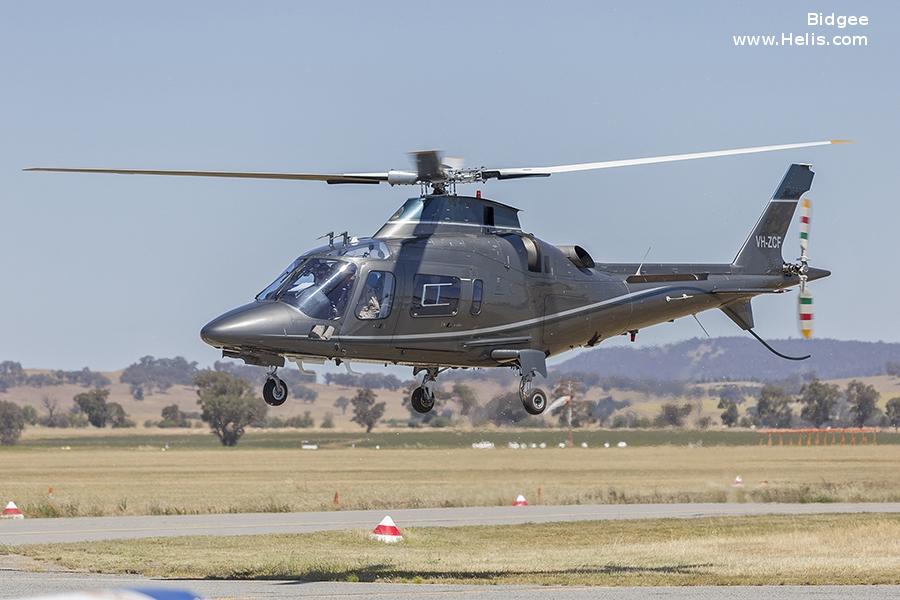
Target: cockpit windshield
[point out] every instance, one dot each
(319, 287)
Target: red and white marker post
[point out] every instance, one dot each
(12, 512)
(386, 532)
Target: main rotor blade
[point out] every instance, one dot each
(329, 178)
(511, 173)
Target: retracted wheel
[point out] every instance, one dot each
(275, 391)
(535, 401)
(422, 401)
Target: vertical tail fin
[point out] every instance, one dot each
(761, 253)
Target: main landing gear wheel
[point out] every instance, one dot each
(421, 399)
(275, 391)
(535, 401)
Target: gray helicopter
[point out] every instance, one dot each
(453, 281)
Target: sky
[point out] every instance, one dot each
(99, 270)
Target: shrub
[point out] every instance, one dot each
(12, 422)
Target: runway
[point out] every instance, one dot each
(38, 531)
(19, 584)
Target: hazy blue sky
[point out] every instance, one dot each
(98, 270)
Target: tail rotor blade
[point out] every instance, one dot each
(804, 227)
(806, 313)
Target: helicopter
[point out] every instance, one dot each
(453, 281)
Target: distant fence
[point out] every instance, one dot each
(841, 436)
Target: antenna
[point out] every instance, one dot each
(640, 266)
(701, 325)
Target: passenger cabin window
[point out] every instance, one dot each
(376, 297)
(477, 296)
(435, 296)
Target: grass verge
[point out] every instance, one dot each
(94, 482)
(765, 550)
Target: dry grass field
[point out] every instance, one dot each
(146, 480)
(770, 550)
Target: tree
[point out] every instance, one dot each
(671, 414)
(93, 405)
(863, 401)
(151, 373)
(892, 412)
(366, 411)
(464, 395)
(819, 401)
(12, 422)
(30, 414)
(117, 416)
(730, 414)
(505, 409)
(228, 405)
(773, 409)
(327, 421)
(892, 368)
(304, 421)
(305, 393)
(173, 416)
(605, 407)
(50, 405)
(342, 403)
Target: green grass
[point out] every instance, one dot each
(427, 438)
(769, 550)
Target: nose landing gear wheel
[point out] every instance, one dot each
(535, 401)
(275, 391)
(421, 400)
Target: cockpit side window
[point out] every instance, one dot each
(377, 296)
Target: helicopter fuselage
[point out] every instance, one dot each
(453, 281)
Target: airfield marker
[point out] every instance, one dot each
(12, 512)
(386, 532)
(520, 501)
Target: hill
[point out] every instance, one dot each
(736, 359)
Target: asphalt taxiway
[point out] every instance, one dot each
(22, 584)
(39, 531)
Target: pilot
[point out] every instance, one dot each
(372, 308)
(373, 289)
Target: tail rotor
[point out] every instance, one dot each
(805, 305)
